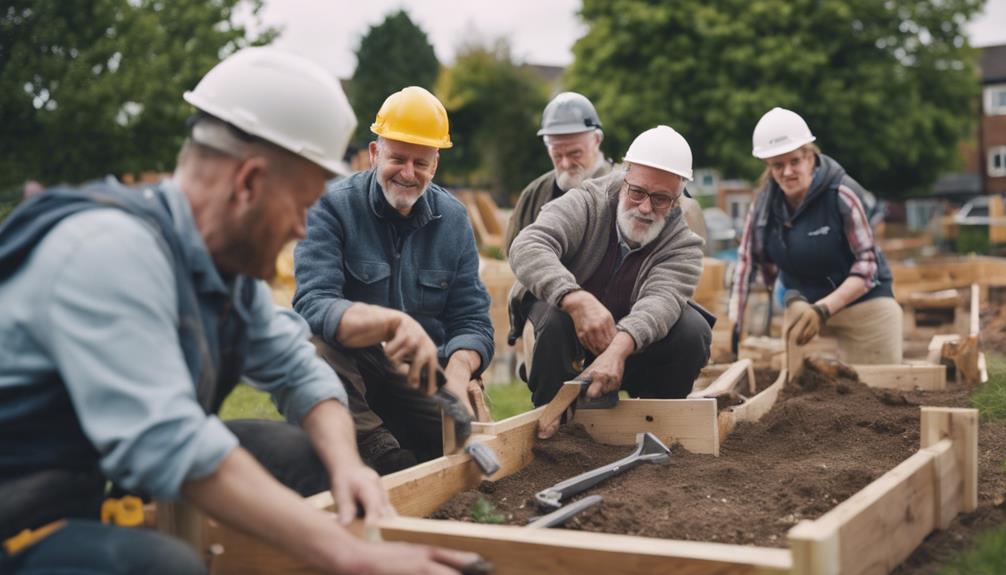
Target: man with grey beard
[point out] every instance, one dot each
(605, 275)
(571, 131)
(388, 281)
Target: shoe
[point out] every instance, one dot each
(393, 460)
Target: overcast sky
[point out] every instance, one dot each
(540, 31)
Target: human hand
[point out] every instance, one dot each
(409, 343)
(355, 483)
(457, 384)
(807, 320)
(605, 373)
(409, 559)
(595, 326)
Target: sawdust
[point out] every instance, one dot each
(825, 439)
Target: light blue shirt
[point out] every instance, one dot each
(95, 305)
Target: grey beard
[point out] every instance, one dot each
(567, 182)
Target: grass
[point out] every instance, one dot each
(483, 511)
(246, 402)
(990, 400)
(988, 556)
(509, 399)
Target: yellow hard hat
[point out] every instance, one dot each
(413, 115)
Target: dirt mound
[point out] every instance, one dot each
(826, 438)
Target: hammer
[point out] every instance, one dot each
(458, 428)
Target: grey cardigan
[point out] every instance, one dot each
(563, 247)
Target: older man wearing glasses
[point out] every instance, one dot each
(605, 275)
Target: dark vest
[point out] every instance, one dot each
(612, 282)
(41, 440)
(810, 247)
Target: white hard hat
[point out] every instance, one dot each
(778, 132)
(281, 98)
(664, 149)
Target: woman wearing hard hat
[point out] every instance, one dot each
(809, 223)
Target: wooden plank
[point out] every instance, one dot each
(181, 520)
(516, 550)
(242, 554)
(935, 355)
(761, 350)
(565, 397)
(794, 353)
(420, 489)
(896, 509)
(975, 312)
(948, 483)
(709, 374)
(727, 382)
(690, 422)
(751, 410)
(960, 425)
(903, 377)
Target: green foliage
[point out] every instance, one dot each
(494, 106)
(990, 400)
(392, 55)
(249, 403)
(508, 400)
(483, 511)
(972, 239)
(889, 88)
(89, 88)
(987, 558)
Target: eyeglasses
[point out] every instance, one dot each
(657, 201)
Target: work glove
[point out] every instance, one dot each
(807, 319)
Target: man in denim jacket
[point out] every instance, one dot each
(389, 253)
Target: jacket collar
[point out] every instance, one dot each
(828, 175)
(206, 278)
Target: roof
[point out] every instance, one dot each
(993, 64)
(958, 184)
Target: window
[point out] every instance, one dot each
(995, 100)
(997, 162)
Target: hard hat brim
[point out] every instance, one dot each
(337, 167)
(683, 173)
(771, 152)
(564, 129)
(412, 138)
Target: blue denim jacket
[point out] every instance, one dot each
(349, 255)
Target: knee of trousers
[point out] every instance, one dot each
(554, 323)
(689, 339)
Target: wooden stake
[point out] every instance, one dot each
(961, 425)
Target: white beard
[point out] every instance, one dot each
(627, 224)
(401, 202)
(567, 180)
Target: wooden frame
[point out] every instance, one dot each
(871, 532)
(900, 508)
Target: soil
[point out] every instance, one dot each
(827, 438)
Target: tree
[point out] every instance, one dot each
(494, 106)
(94, 87)
(888, 88)
(392, 55)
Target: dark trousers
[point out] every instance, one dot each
(666, 369)
(387, 414)
(86, 546)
